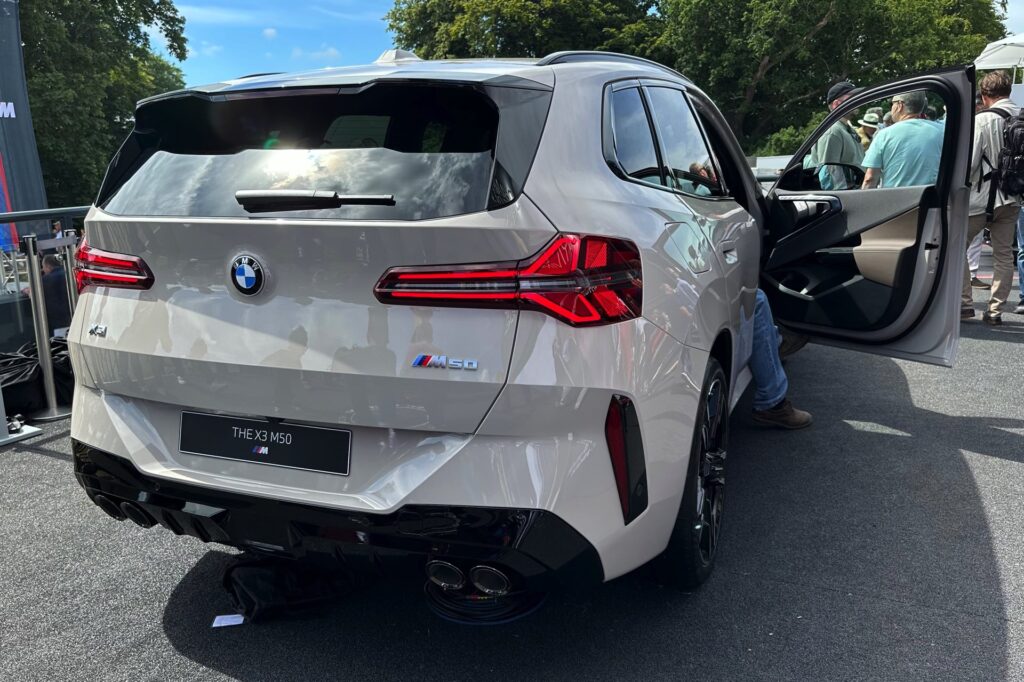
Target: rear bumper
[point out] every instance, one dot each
(538, 549)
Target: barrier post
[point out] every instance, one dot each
(68, 253)
(53, 411)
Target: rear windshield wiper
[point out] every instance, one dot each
(263, 200)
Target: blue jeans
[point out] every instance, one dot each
(1020, 255)
(770, 381)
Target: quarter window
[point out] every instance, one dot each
(634, 143)
(686, 153)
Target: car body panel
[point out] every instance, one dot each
(315, 344)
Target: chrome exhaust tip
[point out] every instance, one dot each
(490, 581)
(109, 506)
(445, 575)
(137, 514)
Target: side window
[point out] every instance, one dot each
(686, 153)
(634, 143)
(895, 141)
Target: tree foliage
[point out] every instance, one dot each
(519, 28)
(767, 63)
(87, 63)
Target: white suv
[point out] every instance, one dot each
(490, 315)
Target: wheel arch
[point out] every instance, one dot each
(722, 350)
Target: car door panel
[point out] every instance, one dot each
(877, 270)
(858, 211)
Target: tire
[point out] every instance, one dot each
(690, 556)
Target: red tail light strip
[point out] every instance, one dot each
(105, 268)
(580, 280)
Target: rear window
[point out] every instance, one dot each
(439, 150)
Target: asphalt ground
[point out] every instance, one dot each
(882, 543)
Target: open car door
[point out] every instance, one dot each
(881, 269)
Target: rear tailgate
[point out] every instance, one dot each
(414, 173)
(315, 344)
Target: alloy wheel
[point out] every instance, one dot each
(710, 479)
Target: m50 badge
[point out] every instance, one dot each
(444, 362)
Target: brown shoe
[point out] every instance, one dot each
(993, 319)
(784, 416)
(967, 313)
(980, 284)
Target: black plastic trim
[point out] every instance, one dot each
(537, 548)
(636, 463)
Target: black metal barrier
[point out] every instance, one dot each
(31, 246)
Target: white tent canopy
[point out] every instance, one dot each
(1007, 53)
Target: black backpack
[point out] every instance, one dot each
(1007, 174)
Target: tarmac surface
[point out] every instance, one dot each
(885, 542)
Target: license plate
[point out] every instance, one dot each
(295, 446)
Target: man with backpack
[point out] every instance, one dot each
(997, 181)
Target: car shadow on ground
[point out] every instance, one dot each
(857, 548)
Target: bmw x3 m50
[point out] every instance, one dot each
(487, 316)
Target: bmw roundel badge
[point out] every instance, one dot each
(247, 275)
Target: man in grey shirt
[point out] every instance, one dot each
(838, 145)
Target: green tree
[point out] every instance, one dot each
(436, 29)
(87, 63)
(768, 63)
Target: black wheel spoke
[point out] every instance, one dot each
(711, 471)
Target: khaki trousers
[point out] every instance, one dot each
(1001, 228)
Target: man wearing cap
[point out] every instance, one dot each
(868, 128)
(907, 153)
(839, 145)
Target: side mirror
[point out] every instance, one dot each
(826, 177)
(837, 176)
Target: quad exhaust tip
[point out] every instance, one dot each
(489, 580)
(445, 575)
(109, 506)
(485, 579)
(137, 514)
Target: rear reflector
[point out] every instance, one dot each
(580, 280)
(626, 450)
(107, 269)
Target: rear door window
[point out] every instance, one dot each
(432, 147)
(686, 153)
(633, 139)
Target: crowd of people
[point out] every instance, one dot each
(903, 148)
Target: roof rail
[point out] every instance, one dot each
(568, 56)
(254, 75)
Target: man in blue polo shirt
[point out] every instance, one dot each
(907, 153)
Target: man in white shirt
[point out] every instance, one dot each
(988, 142)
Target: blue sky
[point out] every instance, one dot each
(231, 38)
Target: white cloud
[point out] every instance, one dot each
(207, 49)
(325, 53)
(270, 33)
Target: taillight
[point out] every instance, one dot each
(108, 269)
(580, 280)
